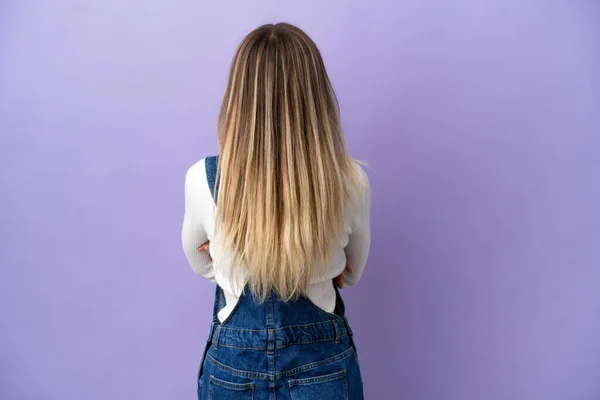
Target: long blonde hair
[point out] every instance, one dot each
(285, 177)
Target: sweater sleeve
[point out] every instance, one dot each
(193, 232)
(359, 241)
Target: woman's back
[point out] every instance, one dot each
(351, 247)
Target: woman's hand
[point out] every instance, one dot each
(205, 247)
(339, 280)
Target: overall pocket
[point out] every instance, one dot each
(331, 387)
(220, 389)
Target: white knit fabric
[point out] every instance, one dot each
(199, 227)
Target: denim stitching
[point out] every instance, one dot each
(217, 337)
(243, 347)
(345, 387)
(283, 327)
(280, 347)
(312, 341)
(278, 375)
(287, 327)
(319, 379)
(239, 372)
(231, 385)
(313, 365)
(337, 331)
(308, 324)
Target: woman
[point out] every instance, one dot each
(276, 220)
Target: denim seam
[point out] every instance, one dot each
(313, 365)
(243, 329)
(231, 385)
(217, 337)
(318, 379)
(310, 342)
(345, 387)
(269, 377)
(308, 324)
(243, 347)
(238, 372)
(337, 333)
(281, 347)
(283, 327)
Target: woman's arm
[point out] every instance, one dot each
(359, 241)
(193, 232)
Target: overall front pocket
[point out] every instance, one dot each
(331, 387)
(220, 389)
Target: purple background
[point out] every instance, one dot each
(481, 124)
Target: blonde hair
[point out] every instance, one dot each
(284, 174)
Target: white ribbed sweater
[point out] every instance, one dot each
(199, 227)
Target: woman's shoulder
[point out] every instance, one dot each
(195, 177)
(360, 170)
(198, 168)
(361, 178)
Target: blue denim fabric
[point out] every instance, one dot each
(278, 350)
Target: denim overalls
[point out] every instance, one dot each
(278, 350)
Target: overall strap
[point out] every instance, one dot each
(211, 164)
